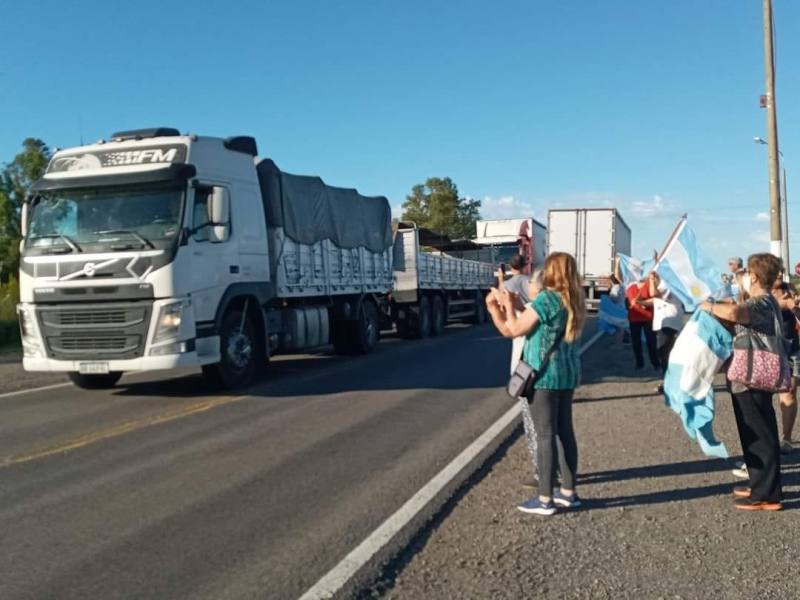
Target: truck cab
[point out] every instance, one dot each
(129, 249)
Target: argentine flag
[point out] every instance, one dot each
(633, 269)
(611, 315)
(689, 274)
(699, 351)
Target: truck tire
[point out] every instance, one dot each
(366, 329)
(437, 316)
(239, 353)
(480, 309)
(422, 327)
(95, 382)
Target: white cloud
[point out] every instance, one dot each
(653, 207)
(762, 216)
(508, 207)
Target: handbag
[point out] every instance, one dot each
(525, 376)
(761, 361)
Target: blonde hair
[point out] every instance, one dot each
(561, 276)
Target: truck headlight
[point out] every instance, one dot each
(169, 321)
(29, 332)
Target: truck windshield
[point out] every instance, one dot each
(129, 216)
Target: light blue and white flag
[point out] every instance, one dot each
(611, 315)
(699, 351)
(633, 269)
(689, 274)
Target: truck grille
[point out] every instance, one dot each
(97, 331)
(81, 343)
(105, 317)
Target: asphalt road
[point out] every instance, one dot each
(158, 490)
(657, 518)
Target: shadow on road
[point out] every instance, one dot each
(790, 476)
(474, 358)
(620, 397)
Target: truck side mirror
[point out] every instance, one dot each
(220, 215)
(24, 217)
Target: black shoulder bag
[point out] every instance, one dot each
(525, 376)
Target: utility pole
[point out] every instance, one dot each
(772, 137)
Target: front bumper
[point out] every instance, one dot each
(98, 338)
(147, 363)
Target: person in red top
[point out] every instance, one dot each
(640, 318)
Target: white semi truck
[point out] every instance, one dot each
(507, 237)
(156, 250)
(593, 236)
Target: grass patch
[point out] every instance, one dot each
(9, 326)
(9, 338)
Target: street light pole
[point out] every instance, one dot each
(772, 135)
(785, 207)
(785, 199)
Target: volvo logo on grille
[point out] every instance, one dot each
(88, 269)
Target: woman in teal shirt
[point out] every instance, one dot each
(553, 320)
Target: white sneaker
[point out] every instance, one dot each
(741, 471)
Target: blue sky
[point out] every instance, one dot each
(650, 107)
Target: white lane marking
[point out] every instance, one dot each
(32, 390)
(337, 577)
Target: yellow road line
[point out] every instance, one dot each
(104, 434)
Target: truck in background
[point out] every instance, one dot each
(157, 250)
(498, 240)
(593, 236)
(507, 237)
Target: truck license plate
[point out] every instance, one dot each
(93, 368)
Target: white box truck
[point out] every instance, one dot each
(593, 236)
(156, 250)
(497, 240)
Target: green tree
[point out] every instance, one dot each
(16, 179)
(436, 205)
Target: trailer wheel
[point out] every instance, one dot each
(94, 382)
(368, 328)
(437, 316)
(423, 318)
(480, 309)
(239, 353)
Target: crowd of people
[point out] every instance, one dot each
(544, 313)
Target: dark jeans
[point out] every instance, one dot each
(665, 340)
(758, 432)
(636, 342)
(552, 417)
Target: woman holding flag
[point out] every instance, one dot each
(752, 407)
(640, 317)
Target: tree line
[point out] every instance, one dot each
(435, 204)
(16, 179)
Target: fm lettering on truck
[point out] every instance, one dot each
(175, 153)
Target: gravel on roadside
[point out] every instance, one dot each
(14, 378)
(657, 519)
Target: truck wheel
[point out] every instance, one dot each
(480, 309)
(95, 382)
(367, 329)
(423, 322)
(239, 353)
(437, 316)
